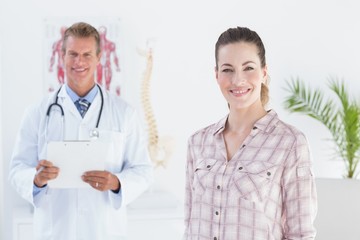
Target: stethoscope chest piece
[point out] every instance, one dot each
(94, 134)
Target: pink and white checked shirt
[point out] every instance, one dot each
(265, 192)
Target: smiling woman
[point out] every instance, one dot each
(243, 172)
(240, 76)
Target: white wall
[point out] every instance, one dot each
(1, 156)
(309, 39)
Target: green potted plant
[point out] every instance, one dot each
(340, 117)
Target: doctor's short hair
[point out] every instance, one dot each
(81, 30)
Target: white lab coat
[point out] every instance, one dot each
(67, 214)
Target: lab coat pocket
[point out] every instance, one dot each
(252, 179)
(43, 220)
(202, 174)
(116, 222)
(117, 143)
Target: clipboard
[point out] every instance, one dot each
(74, 158)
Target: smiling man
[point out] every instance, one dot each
(76, 110)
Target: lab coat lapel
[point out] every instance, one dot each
(68, 104)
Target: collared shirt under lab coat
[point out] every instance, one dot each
(66, 214)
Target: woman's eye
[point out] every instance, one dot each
(248, 68)
(227, 70)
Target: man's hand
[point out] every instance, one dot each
(47, 172)
(102, 180)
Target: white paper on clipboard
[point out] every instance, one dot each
(74, 158)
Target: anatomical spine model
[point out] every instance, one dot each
(160, 148)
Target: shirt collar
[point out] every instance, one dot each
(220, 125)
(89, 97)
(266, 123)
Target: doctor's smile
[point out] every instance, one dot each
(79, 69)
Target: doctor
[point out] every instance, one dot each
(97, 212)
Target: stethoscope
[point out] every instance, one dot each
(94, 134)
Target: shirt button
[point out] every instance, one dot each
(240, 168)
(208, 166)
(268, 173)
(218, 187)
(254, 128)
(243, 145)
(215, 238)
(217, 213)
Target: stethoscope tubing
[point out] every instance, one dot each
(101, 107)
(55, 104)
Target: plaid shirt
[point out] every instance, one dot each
(265, 192)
